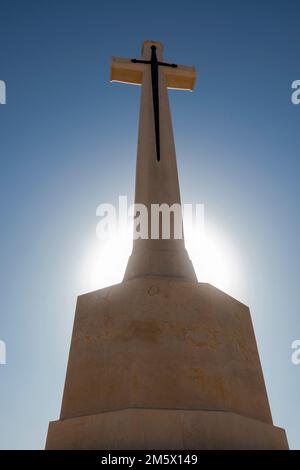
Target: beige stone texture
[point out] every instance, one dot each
(165, 429)
(162, 343)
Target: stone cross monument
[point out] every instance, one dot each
(161, 361)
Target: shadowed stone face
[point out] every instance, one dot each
(165, 429)
(158, 343)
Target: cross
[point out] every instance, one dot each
(131, 71)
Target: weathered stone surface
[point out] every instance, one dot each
(159, 363)
(160, 343)
(165, 429)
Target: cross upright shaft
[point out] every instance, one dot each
(156, 168)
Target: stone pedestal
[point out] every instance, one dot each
(158, 363)
(165, 429)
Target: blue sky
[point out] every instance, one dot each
(68, 142)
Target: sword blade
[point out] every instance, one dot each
(155, 97)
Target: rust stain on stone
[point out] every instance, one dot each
(211, 384)
(203, 338)
(143, 330)
(108, 320)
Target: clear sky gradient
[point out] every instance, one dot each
(68, 142)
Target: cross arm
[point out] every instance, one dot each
(125, 71)
(180, 77)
